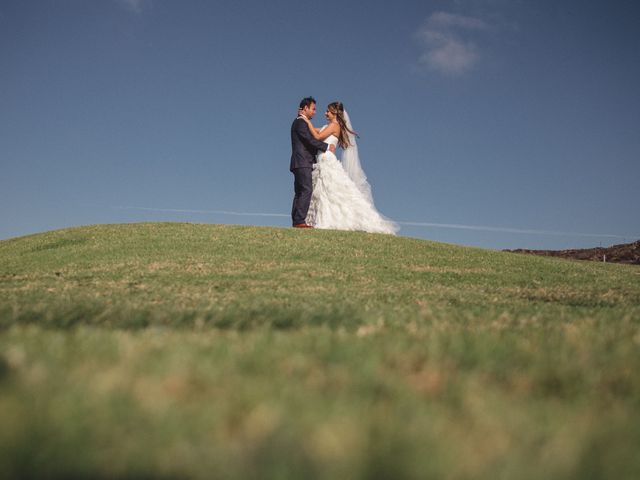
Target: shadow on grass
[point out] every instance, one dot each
(233, 318)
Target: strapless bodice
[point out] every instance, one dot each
(331, 139)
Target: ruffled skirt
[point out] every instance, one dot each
(336, 202)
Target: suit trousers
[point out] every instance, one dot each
(302, 187)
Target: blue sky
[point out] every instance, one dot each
(493, 123)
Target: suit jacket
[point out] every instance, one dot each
(304, 147)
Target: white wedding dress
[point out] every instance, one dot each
(338, 202)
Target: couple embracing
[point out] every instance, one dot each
(330, 193)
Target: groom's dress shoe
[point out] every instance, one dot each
(302, 225)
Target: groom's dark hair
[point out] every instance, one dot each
(307, 101)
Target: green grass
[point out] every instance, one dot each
(208, 351)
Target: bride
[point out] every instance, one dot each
(341, 197)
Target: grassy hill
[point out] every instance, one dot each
(209, 351)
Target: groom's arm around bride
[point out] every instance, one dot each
(304, 146)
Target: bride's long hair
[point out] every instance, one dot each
(338, 110)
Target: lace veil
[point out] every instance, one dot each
(351, 163)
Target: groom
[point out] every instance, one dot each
(304, 148)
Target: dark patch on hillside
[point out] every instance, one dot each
(56, 244)
(628, 253)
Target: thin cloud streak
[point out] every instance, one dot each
(485, 228)
(133, 5)
(482, 228)
(216, 212)
(446, 48)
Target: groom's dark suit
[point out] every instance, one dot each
(304, 148)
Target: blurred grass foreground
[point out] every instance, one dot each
(170, 350)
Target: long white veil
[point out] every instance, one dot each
(351, 163)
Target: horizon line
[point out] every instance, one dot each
(487, 228)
